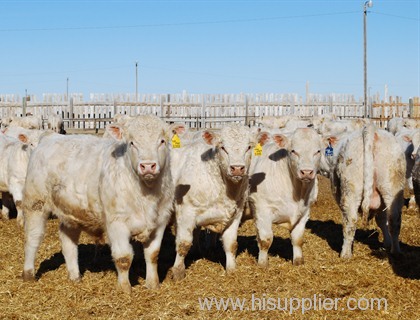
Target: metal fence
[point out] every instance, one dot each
(201, 110)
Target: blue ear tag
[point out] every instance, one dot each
(329, 151)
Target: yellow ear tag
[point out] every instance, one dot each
(258, 150)
(176, 142)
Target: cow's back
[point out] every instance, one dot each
(388, 163)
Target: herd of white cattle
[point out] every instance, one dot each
(131, 182)
(54, 122)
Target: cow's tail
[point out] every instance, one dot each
(368, 169)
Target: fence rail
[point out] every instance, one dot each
(201, 110)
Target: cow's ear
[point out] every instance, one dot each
(115, 131)
(281, 140)
(211, 138)
(121, 118)
(330, 141)
(407, 138)
(23, 138)
(178, 128)
(263, 138)
(117, 117)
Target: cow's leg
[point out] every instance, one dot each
(4, 211)
(16, 188)
(296, 236)
(34, 233)
(151, 254)
(230, 243)
(349, 229)
(122, 252)
(5, 200)
(69, 240)
(381, 221)
(185, 224)
(19, 217)
(394, 221)
(264, 235)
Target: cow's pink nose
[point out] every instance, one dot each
(237, 170)
(148, 168)
(307, 174)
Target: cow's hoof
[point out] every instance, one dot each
(28, 275)
(152, 284)
(178, 273)
(346, 255)
(298, 261)
(125, 287)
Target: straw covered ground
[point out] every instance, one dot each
(324, 277)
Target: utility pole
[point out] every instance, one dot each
(368, 4)
(67, 90)
(25, 103)
(137, 88)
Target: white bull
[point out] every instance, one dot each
(211, 188)
(16, 146)
(28, 122)
(367, 170)
(283, 187)
(119, 188)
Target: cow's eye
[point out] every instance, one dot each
(162, 141)
(249, 148)
(223, 148)
(132, 144)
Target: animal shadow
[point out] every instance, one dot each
(280, 247)
(406, 265)
(97, 258)
(7, 201)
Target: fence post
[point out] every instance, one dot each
(411, 108)
(292, 106)
(246, 111)
(161, 105)
(168, 110)
(24, 102)
(203, 112)
(71, 120)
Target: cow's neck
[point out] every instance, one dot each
(302, 189)
(235, 190)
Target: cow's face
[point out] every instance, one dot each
(414, 139)
(5, 122)
(30, 139)
(304, 148)
(234, 144)
(146, 143)
(329, 154)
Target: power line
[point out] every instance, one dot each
(178, 23)
(63, 71)
(395, 16)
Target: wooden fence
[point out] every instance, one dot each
(201, 110)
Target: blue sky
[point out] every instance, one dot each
(209, 46)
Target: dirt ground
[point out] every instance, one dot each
(324, 282)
